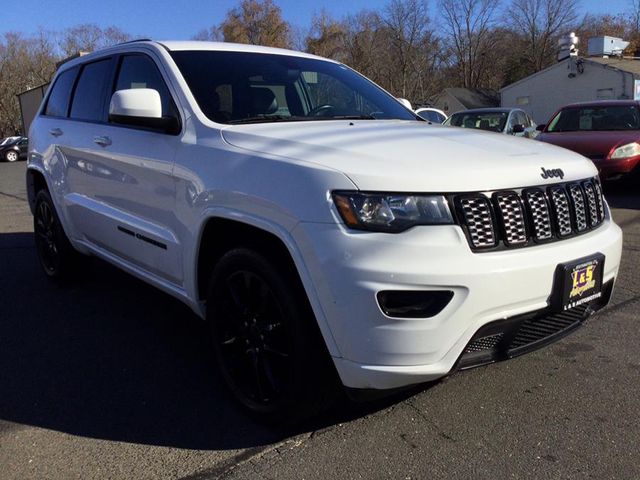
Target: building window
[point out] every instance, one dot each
(522, 101)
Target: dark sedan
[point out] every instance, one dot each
(13, 149)
(607, 132)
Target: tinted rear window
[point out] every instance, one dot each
(58, 103)
(88, 99)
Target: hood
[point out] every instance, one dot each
(408, 156)
(596, 145)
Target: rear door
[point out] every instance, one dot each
(122, 193)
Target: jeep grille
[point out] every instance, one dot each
(515, 218)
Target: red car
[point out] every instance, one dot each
(607, 132)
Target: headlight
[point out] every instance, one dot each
(626, 151)
(388, 212)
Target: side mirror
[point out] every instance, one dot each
(540, 127)
(140, 107)
(518, 128)
(406, 103)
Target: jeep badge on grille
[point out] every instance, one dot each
(556, 172)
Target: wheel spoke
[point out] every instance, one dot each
(236, 295)
(275, 351)
(269, 374)
(256, 371)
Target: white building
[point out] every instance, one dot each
(572, 80)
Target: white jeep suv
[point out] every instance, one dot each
(322, 229)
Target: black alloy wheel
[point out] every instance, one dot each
(253, 340)
(266, 352)
(56, 255)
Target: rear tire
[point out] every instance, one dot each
(57, 257)
(267, 344)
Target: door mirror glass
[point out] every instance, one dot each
(518, 128)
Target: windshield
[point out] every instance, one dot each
(574, 119)
(491, 121)
(242, 87)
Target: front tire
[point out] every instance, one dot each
(268, 347)
(11, 156)
(55, 253)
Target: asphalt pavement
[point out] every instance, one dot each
(110, 378)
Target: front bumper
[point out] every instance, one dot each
(349, 268)
(609, 169)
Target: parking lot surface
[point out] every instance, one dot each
(110, 378)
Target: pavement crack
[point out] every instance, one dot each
(16, 197)
(435, 426)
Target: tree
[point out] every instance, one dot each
(327, 37)
(540, 24)
(469, 25)
(25, 63)
(412, 47)
(256, 22)
(89, 37)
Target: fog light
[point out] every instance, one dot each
(413, 303)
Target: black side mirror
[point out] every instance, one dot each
(541, 127)
(518, 128)
(166, 124)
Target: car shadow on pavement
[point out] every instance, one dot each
(111, 357)
(623, 194)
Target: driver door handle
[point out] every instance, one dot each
(56, 132)
(103, 141)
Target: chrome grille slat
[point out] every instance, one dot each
(561, 209)
(579, 208)
(589, 191)
(513, 220)
(540, 216)
(599, 199)
(520, 217)
(479, 220)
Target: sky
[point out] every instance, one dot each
(181, 19)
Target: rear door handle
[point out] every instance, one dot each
(56, 132)
(103, 141)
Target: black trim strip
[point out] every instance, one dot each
(144, 238)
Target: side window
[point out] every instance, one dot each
(139, 71)
(58, 102)
(88, 99)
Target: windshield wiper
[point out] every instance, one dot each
(297, 118)
(349, 117)
(261, 119)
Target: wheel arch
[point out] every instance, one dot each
(220, 233)
(36, 181)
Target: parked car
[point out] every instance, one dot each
(607, 132)
(510, 121)
(325, 233)
(13, 149)
(432, 115)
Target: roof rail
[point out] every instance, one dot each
(132, 41)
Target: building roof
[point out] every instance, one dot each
(625, 64)
(474, 97)
(628, 65)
